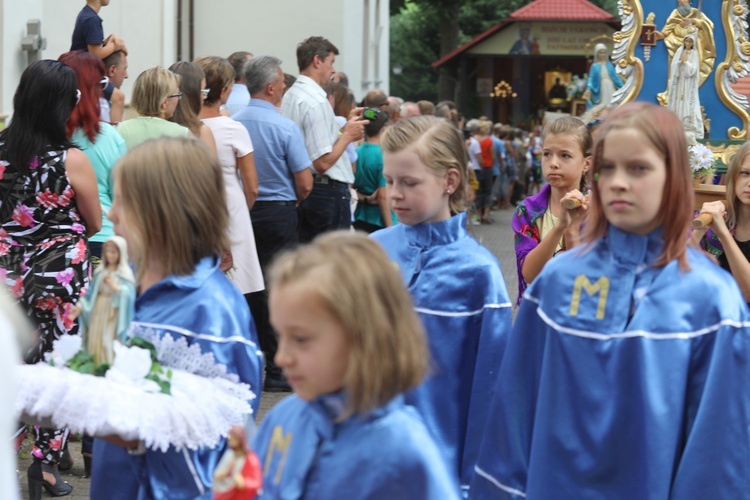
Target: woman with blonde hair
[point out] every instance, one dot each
(156, 93)
(348, 366)
(169, 206)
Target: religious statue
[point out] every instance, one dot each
(683, 88)
(238, 474)
(106, 310)
(603, 79)
(681, 21)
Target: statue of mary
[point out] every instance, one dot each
(683, 87)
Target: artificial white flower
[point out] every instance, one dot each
(63, 349)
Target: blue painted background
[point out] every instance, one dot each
(655, 70)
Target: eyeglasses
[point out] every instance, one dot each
(78, 96)
(104, 82)
(205, 92)
(178, 95)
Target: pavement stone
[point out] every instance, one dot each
(497, 237)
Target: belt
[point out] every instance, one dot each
(275, 203)
(324, 179)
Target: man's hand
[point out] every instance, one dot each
(354, 130)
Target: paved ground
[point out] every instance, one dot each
(497, 237)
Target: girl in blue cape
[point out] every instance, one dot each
(169, 207)
(626, 374)
(456, 284)
(349, 344)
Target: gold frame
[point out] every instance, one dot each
(733, 61)
(632, 12)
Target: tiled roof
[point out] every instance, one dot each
(561, 10)
(539, 10)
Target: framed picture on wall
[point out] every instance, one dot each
(578, 107)
(555, 84)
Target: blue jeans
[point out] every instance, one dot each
(326, 209)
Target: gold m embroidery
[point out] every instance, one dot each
(601, 285)
(279, 445)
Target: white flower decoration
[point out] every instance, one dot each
(130, 367)
(63, 349)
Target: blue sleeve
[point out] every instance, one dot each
(298, 158)
(501, 469)
(496, 325)
(614, 76)
(594, 79)
(93, 32)
(713, 463)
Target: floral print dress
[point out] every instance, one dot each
(43, 257)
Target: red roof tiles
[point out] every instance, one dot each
(561, 10)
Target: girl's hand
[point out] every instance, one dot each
(573, 217)
(718, 211)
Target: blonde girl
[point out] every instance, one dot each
(728, 236)
(542, 227)
(626, 374)
(456, 284)
(346, 432)
(170, 208)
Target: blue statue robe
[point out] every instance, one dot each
(595, 81)
(460, 295)
(207, 309)
(385, 454)
(623, 380)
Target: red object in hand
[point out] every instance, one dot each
(253, 479)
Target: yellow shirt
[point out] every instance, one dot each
(545, 225)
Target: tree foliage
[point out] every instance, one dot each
(422, 31)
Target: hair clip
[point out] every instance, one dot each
(596, 177)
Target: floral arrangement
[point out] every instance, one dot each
(702, 161)
(576, 86)
(134, 364)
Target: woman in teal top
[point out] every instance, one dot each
(372, 211)
(99, 141)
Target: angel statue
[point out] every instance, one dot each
(106, 310)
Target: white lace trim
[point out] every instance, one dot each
(198, 413)
(177, 354)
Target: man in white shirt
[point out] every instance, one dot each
(327, 207)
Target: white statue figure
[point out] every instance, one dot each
(683, 87)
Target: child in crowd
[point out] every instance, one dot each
(456, 284)
(626, 374)
(728, 238)
(373, 211)
(88, 35)
(543, 228)
(169, 206)
(346, 433)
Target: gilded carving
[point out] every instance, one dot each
(735, 65)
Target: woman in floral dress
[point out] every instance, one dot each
(49, 205)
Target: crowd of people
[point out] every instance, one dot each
(258, 216)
